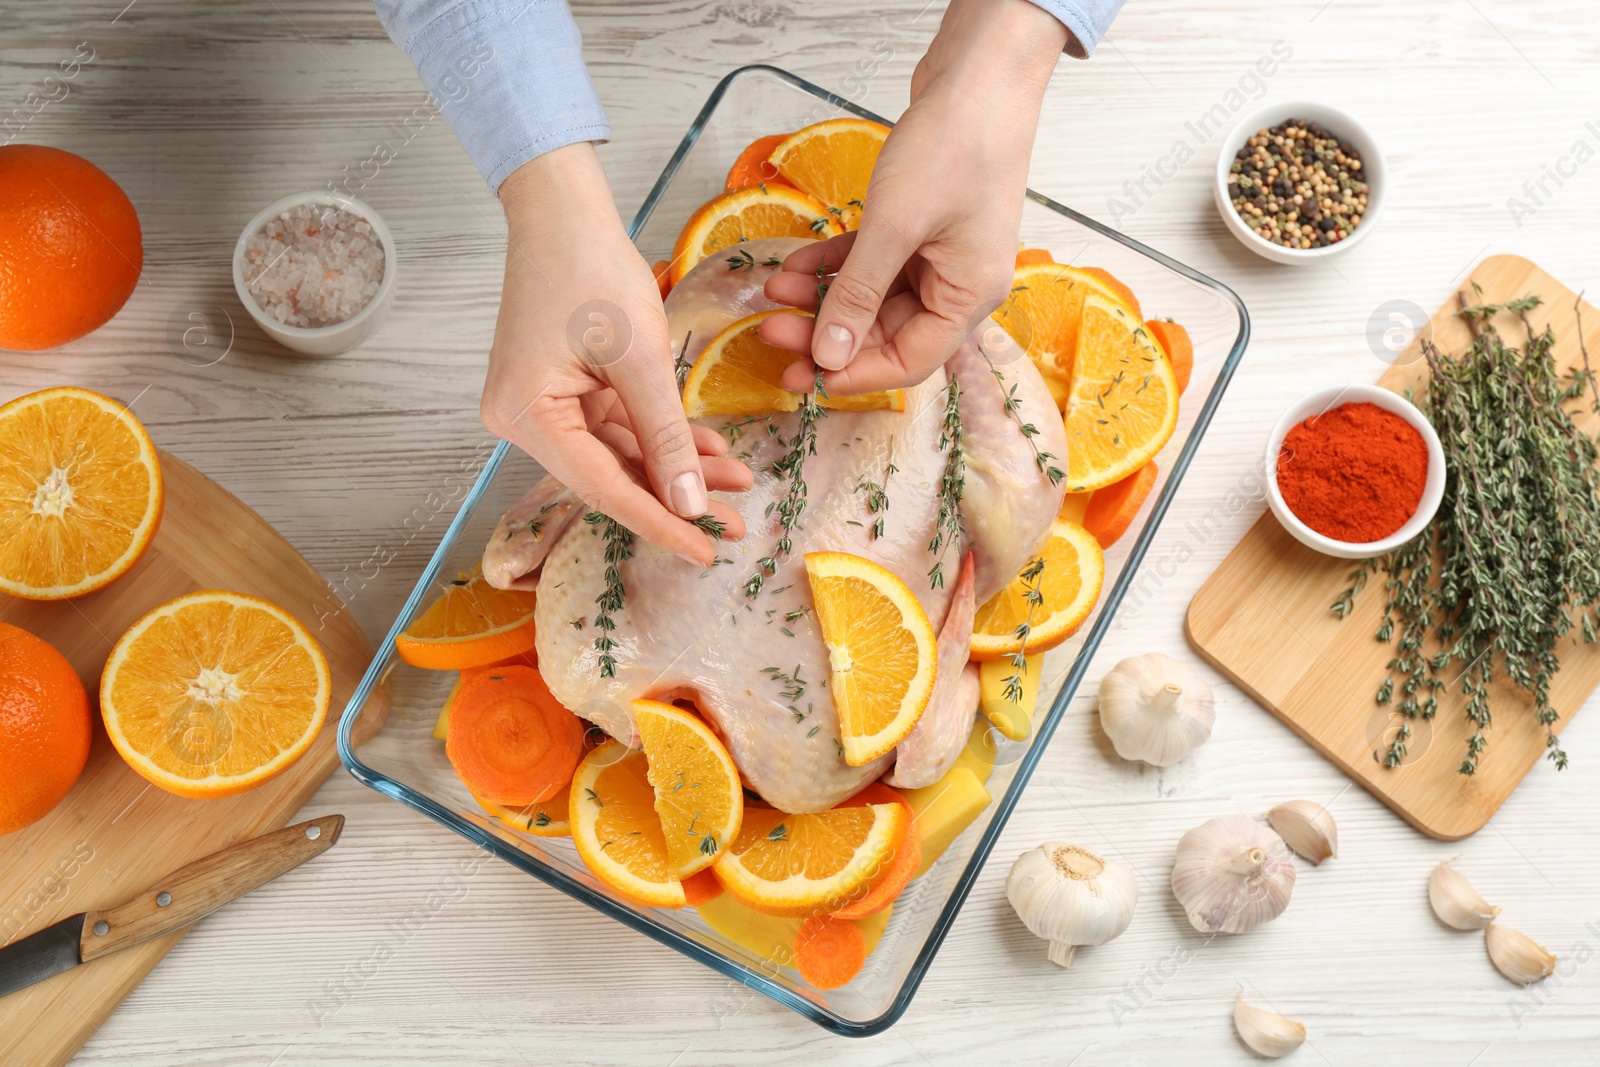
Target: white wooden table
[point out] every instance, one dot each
(206, 112)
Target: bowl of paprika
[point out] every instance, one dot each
(1354, 471)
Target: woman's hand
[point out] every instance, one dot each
(581, 371)
(942, 212)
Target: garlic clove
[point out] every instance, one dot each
(1456, 902)
(1070, 897)
(1232, 874)
(1518, 956)
(1155, 709)
(1306, 827)
(1268, 1034)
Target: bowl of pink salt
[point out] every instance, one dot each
(316, 272)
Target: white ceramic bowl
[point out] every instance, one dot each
(340, 336)
(1324, 400)
(1335, 122)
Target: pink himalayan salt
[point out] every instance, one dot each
(314, 265)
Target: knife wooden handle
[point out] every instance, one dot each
(205, 885)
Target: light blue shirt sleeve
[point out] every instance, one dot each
(507, 75)
(1087, 19)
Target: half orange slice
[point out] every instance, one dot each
(472, 624)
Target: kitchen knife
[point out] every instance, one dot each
(177, 900)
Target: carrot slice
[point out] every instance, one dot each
(662, 269)
(907, 856)
(829, 951)
(700, 887)
(753, 168)
(1116, 284)
(509, 739)
(1111, 510)
(1029, 256)
(1174, 339)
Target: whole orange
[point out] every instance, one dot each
(70, 247)
(44, 727)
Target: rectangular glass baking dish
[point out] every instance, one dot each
(403, 761)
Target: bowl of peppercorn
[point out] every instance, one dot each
(1299, 182)
(1354, 471)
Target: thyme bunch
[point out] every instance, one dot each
(947, 526)
(619, 549)
(1512, 559)
(791, 465)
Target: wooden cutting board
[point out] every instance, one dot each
(1263, 619)
(115, 833)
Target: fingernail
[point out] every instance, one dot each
(687, 495)
(834, 347)
(690, 559)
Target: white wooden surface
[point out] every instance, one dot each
(204, 112)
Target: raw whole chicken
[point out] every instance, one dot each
(756, 667)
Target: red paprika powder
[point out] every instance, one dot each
(1355, 473)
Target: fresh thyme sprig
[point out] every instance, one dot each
(681, 365)
(1031, 577)
(712, 526)
(1511, 561)
(947, 526)
(743, 260)
(1012, 407)
(792, 466)
(619, 549)
(878, 494)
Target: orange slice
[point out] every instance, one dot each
(799, 865)
(1068, 587)
(80, 493)
(833, 161)
(547, 818)
(752, 167)
(214, 693)
(881, 650)
(615, 828)
(1043, 312)
(744, 215)
(472, 624)
(1123, 404)
(740, 374)
(699, 797)
(1123, 292)
(1027, 257)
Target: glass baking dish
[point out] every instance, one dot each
(404, 762)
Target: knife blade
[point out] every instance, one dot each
(188, 893)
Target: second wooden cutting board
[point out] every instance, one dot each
(1264, 620)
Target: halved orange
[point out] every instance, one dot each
(740, 374)
(882, 652)
(214, 693)
(797, 865)
(80, 493)
(1123, 404)
(1043, 312)
(699, 797)
(744, 215)
(1068, 585)
(472, 624)
(615, 828)
(833, 161)
(546, 818)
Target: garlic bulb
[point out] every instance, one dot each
(1232, 874)
(1155, 708)
(1517, 956)
(1306, 827)
(1266, 1033)
(1455, 902)
(1070, 897)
